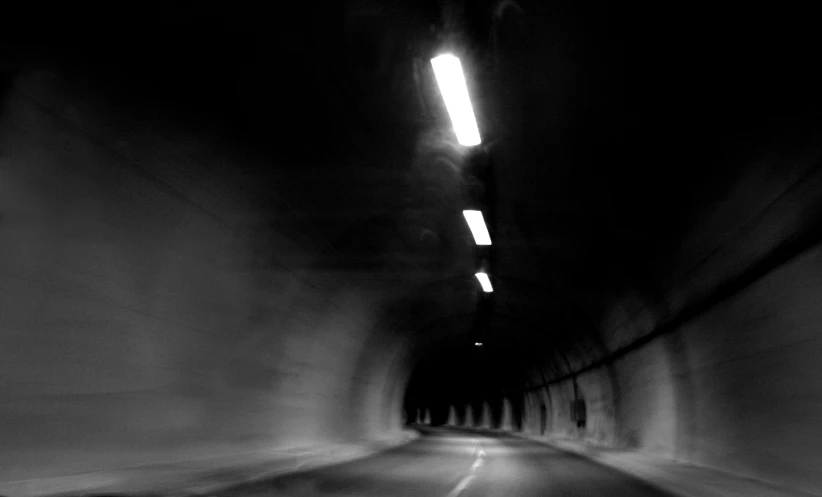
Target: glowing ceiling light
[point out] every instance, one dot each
(478, 344)
(478, 228)
(448, 71)
(484, 282)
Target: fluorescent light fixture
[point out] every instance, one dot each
(448, 71)
(484, 282)
(477, 344)
(477, 225)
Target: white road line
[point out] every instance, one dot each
(460, 486)
(471, 474)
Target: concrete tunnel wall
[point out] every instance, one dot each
(736, 386)
(146, 316)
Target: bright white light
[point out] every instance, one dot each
(478, 344)
(484, 282)
(477, 225)
(448, 71)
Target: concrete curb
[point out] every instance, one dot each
(187, 478)
(679, 479)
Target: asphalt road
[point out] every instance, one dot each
(449, 463)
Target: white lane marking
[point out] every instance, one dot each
(471, 474)
(460, 486)
(478, 462)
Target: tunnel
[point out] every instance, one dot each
(233, 249)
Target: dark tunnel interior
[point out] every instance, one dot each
(227, 229)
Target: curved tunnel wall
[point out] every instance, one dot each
(148, 314)
(735, 385)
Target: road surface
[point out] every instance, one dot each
(452, 463)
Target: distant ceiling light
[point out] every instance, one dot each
(478, 228)
(478, 344)
(484, 282)
(448, 71)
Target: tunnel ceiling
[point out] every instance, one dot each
(613, 130)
